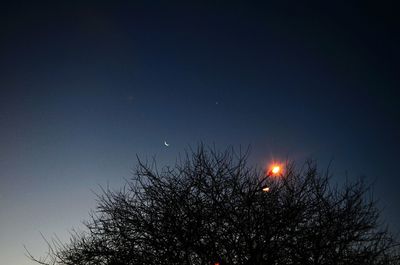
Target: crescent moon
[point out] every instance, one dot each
(166, 144)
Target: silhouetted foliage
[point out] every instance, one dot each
(211, 208)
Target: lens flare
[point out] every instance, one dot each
(265, 189)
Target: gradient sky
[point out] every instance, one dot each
(86, 87)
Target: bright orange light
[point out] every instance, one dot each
(276, 169)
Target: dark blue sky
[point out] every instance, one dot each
(86, 87)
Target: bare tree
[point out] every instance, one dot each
(212, 208)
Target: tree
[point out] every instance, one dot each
(211, 207)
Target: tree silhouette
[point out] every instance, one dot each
(212, 208)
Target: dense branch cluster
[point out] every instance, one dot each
(211, 208)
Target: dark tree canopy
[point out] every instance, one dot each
(211, 208)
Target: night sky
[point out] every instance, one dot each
(86, 87)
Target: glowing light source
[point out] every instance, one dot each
(265, 189)
(275, 169)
